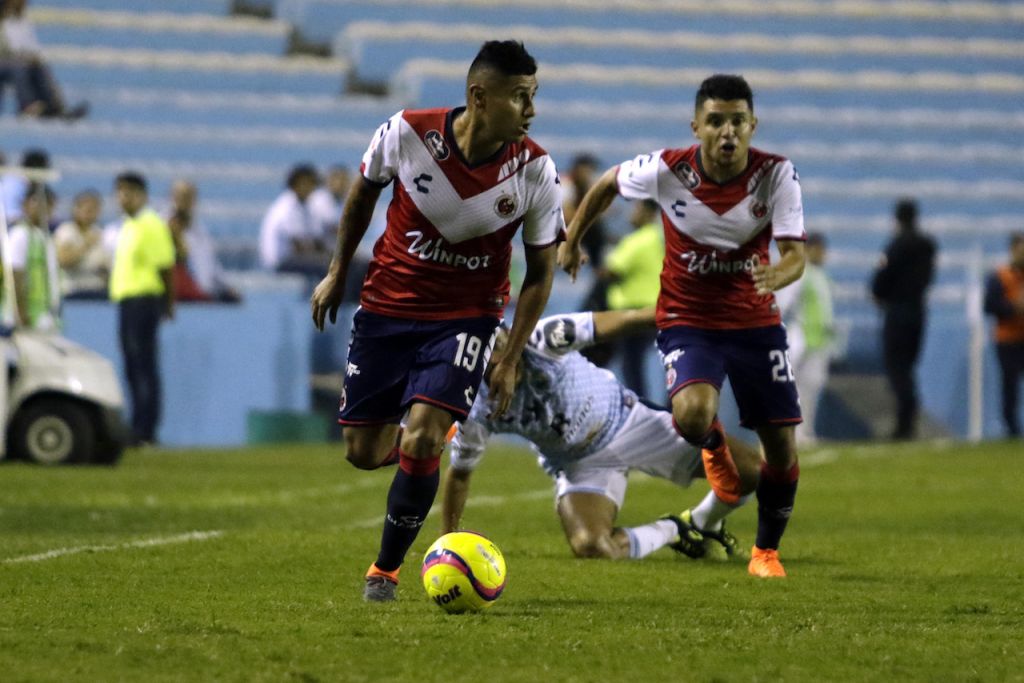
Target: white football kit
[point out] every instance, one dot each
(588, 429)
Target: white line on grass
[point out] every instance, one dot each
(479, 501)
(142, 543)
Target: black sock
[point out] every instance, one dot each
(409, 499)
(776, 491)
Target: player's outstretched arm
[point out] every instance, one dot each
(597, 200)
(771, 277)
(533, 297)
(355, 219)
(612, 324)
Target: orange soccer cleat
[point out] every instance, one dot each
(765, 564)
(720, 470)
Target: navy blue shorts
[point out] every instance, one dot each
(393, 362)
(755, 360)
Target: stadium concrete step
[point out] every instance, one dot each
(221, 7)
(376, 48)
(221, 72)
(321, 19)
(159, 31)
(434, 81)
(149, 106)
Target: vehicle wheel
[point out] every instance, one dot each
(54, 432)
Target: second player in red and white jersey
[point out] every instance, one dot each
(716, 233)
(447, 247)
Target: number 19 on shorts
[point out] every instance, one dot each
(468, 352)
(782, 369)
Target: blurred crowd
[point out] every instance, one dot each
(72, 256)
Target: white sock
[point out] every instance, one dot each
(710, 512)
(644, 540)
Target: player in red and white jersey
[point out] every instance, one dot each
(722, 204)
(466, 180)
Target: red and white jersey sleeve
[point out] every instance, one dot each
(716, 233)
(380, 162)
(446, 250)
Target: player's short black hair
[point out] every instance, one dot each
(133, 179)
(724, 87)
(906, 212)
(1016, 238)
(508, 57)
(300, 171)
(35, 158)
(650, 205)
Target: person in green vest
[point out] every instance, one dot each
(142, 286)
(807, 313)
(34, 261)
(633, 272)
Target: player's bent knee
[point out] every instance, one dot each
(364, 453)
(588, 545)
(422, 443)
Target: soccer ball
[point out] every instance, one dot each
(463, 572)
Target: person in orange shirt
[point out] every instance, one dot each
(1004, 299)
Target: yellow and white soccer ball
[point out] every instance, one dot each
(463, 572)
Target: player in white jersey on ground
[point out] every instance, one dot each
(722, 203)
(466, 180)
(590, 432)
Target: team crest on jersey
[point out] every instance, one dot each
(670, 378)
(687, 176)
(759, 210)
(436, 144)
(505, 206)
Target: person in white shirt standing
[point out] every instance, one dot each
(290, 239)
(81, 252)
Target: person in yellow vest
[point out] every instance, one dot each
(633, 272)
(806, 307)
(1004, 299)
(34, 261)
(141, 284)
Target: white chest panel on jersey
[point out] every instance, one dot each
(458, 219)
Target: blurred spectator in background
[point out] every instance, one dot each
(633, 274)
(575, 182)
(327, 201)
(81, 251)
(1004, 299)
(899, 286)
(38, 92)
(290, 239)
(15, 184)
(34, 261)
(806, 307)
(198, 274)
(141, 284)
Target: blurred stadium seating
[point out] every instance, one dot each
(873, 100)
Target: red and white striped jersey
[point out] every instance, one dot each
(714, 234)
(447, 247)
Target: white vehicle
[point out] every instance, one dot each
(59, 402)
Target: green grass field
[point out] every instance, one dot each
(905, 563)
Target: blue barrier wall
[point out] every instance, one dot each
(218, 362)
